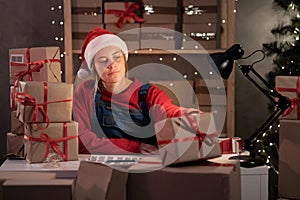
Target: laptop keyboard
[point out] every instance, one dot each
(115, 159)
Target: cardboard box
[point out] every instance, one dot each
(213, 180)
(52, 100)
(98, 181)
(161, 12)
(158, 36)
(204, 11)
(287, 86)
(17, 127)
(49, 71)
(200, 36)
(58, 138)
(210, 92)
(181, 92)
(60, 189)
(179, 142)
(13, 91)
(15, 144)
(6, 175)
(289, 166)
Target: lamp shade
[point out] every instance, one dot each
(224, 61)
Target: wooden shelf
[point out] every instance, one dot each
(227, 39)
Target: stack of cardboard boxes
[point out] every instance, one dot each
(289, 140)
(41, 106)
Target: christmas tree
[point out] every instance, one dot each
(286, 47)
(286, 61)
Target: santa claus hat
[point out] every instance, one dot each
(96, 40)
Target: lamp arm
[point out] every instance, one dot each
(281, 104)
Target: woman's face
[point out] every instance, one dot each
(109, 64)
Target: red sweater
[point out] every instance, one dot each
(159, 104)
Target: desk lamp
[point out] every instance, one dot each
(224, 62)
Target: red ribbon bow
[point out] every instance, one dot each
(37, 66)
(127, 14)
(44, 137)
(295, 102)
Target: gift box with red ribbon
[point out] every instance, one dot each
(35, 64)
(121, 13)
(188, 138)
(289, 86)
(60, 139)
(44, 102)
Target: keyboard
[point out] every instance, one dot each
(116, 159)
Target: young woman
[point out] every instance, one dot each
(116, 114)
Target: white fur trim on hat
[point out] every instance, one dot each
(83, 73)
(101, 42)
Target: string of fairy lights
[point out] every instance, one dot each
(57, 24)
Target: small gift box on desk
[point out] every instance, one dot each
(35, 64)
(289, 86)
(44, 102)
(289, 165)
(187, 138)
(58, 138)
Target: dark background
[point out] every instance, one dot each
(25, 23)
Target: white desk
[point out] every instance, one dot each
(65, 170)
(254, 181)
